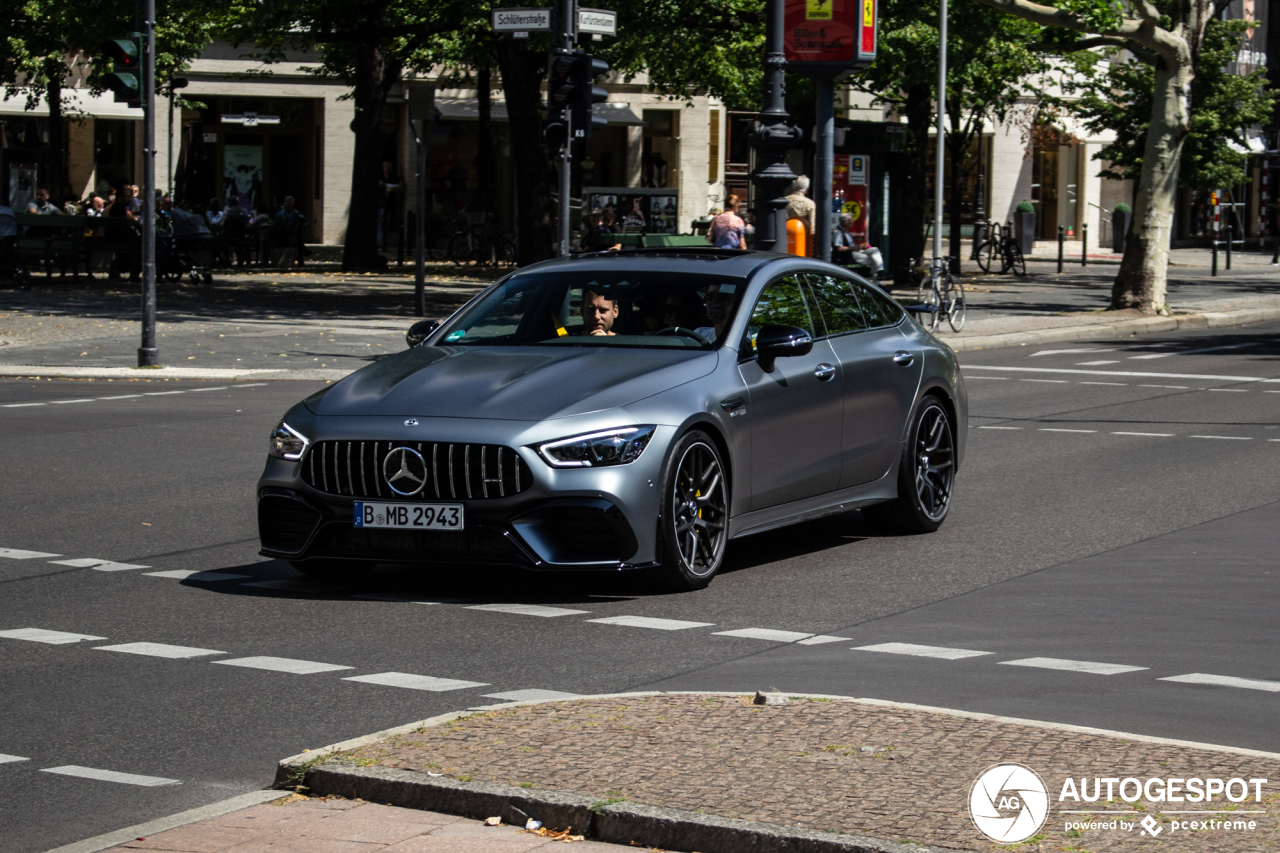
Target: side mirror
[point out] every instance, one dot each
(775, 341)
(419, 331)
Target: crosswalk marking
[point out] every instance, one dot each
(98, 564)
(159, 650)
(527, 609)
(765, 634)
(110, 776)
(921, 651)
(10, 759)
(15, 554)
(650, 622)
(532, 695)
(820, 639)
(1074, 665)
(290, 665)
(1225, 681)
(52, 638)
(193, 575)
(415, 682)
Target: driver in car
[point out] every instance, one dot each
(598, 313)
(719, 301)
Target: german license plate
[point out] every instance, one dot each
(409, 516)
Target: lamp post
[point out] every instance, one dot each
(942, 117)
(980, 203)
(147, 353)
(772, 135)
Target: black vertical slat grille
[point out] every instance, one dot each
(454, 471)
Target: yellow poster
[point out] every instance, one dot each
(818, 10)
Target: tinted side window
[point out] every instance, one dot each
(782, 303)
(879, 310)
(836, 303)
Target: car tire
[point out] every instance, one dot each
(693, 522)
(926, 475)
(330, 570)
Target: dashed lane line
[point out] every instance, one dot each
(914, 650)
(1055, 381)
(1133, 373)
(651, 622)
(289, 665)
(999, 427)
(10, 759)
(1090, 667)
(15, 554)
(193, 575)
(1116, 384)
(1149, 434)
(111, 776)
(159, 650)
(98, 565)
(527, 609)
(130, 396)
(1057, 429)
(51, 638)
(764, 634)
(409, 681)
(821, 639)
(1224, 681)
(1224, 437)
(532, 695)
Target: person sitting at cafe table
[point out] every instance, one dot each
(41, 204)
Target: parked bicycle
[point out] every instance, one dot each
(481, 242)
(1001, 243)
(945, 293)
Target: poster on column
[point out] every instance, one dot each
(242, 174)
(850, 183)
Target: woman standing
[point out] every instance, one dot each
(728, 231)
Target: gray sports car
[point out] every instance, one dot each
(623, 410)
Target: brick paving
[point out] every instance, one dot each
(837, 766)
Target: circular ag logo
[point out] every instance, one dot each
(1008, 803)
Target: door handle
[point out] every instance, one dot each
(825, 371)
(903, 358)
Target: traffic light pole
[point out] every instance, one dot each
(147, 352)
(568, 30)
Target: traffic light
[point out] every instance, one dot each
(584, 73)
(125, 81)
(561, 96)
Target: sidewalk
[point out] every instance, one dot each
(322, 324)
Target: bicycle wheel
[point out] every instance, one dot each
(986, 254)
(955, 310)
(459, 249)
(438, 247)
(1016, 261)
(931, 296)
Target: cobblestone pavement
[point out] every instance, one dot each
(298, 824)
(832, 765)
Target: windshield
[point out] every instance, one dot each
(569, 308)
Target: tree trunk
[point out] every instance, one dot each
(57, 152)
(957, 145)
(486, 165)
(918, 108)
(375, 74)
(1142, 282)
(522, 74)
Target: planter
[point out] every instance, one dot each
(1025, 228)
(1120, 221)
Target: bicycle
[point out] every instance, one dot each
(944, 293)
(482, 242)
(1001, 242)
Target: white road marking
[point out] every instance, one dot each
(122, 397)
(1054, 429)
(1224, 681)
(1074, 665)
(1194, 351)
(65, 402)
(198, 390)
(10, 759)
(1224, 437)
(1181, 387)
(1096, 363)
(52, 638)
(998, 427)
(532, 695)
(1152, 434)
(765, 634)
(1232, 390)
(1069, 351)
(159, 650)
(19, 405)
(1058, 381)
(161, 393)
(15, 554)
(820, 639)
(297, 667)
(649, 622)
(415, 682)
(110, 776)
(98, 565)
(527, 609)
(1124, 373)
(1117, 384)
(252, 385)
(921, 651)
(190, 574)
(967, 378)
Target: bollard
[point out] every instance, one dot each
(1062, 236)
(1228, 245)
(1084, 245)
(1213, 265)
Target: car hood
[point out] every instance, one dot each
(510, 383)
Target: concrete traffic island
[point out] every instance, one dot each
(718, 773)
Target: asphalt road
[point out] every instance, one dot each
(1117, 515)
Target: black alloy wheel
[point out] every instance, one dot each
(694, 525)
(926, 476)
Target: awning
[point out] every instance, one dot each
(74, 102)
(468, 109)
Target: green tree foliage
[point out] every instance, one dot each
(1115, 96)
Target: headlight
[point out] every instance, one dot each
(612, 447)
(287, 442)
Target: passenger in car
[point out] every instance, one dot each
(682, 308)
(598, 313)
(719, 302)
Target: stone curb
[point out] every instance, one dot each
(1121, 328)
(621, 823)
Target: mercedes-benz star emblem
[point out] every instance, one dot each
(405, 471)
(411, 422)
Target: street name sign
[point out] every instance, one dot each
(521, 20)
(599, 21)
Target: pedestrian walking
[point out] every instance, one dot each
(799, 206)
(727, 230)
